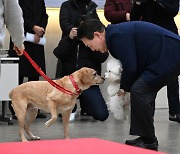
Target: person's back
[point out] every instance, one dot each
(161, 13)
(122, 35)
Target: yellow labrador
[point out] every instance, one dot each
(27, 98)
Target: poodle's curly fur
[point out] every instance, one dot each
(118, 105)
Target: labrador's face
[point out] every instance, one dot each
(89, 77)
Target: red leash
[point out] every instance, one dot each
(54, 84)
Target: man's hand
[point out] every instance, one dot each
(121, 92)
(19, 51)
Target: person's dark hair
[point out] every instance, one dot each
(88, 27)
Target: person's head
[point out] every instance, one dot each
(92, 33)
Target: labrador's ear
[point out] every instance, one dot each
(85, 75)
(82, 75)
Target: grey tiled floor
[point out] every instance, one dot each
(168, 132)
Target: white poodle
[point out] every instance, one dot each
(119, 105)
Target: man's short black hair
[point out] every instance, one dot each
(88, 27)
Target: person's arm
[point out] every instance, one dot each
(44, 19)
(65, 19)
(14, 22)
(41, 27)
(114, 15)
(170, 8)
(28, 25)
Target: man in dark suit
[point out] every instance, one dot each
(162, 13)
(150, 57)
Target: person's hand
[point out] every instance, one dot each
(127, 16)
(121, 92)
(19, 51)
(38, 30)
(36, 39)
(73, 33)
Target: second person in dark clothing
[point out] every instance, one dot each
(75, 55)
(71, 58)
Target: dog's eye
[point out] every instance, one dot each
(95, 73)
(109, 71)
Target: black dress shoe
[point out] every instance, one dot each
(175, 118)
(133, 142)
(151, 146)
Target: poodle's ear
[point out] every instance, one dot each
(120, 69)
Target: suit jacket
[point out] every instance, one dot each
(161, 12)
(145, 50)
(34, 13)
(115, 10)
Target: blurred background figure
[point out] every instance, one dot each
(162, 13)
(35, 22)
(117, 11)
(72, 54)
